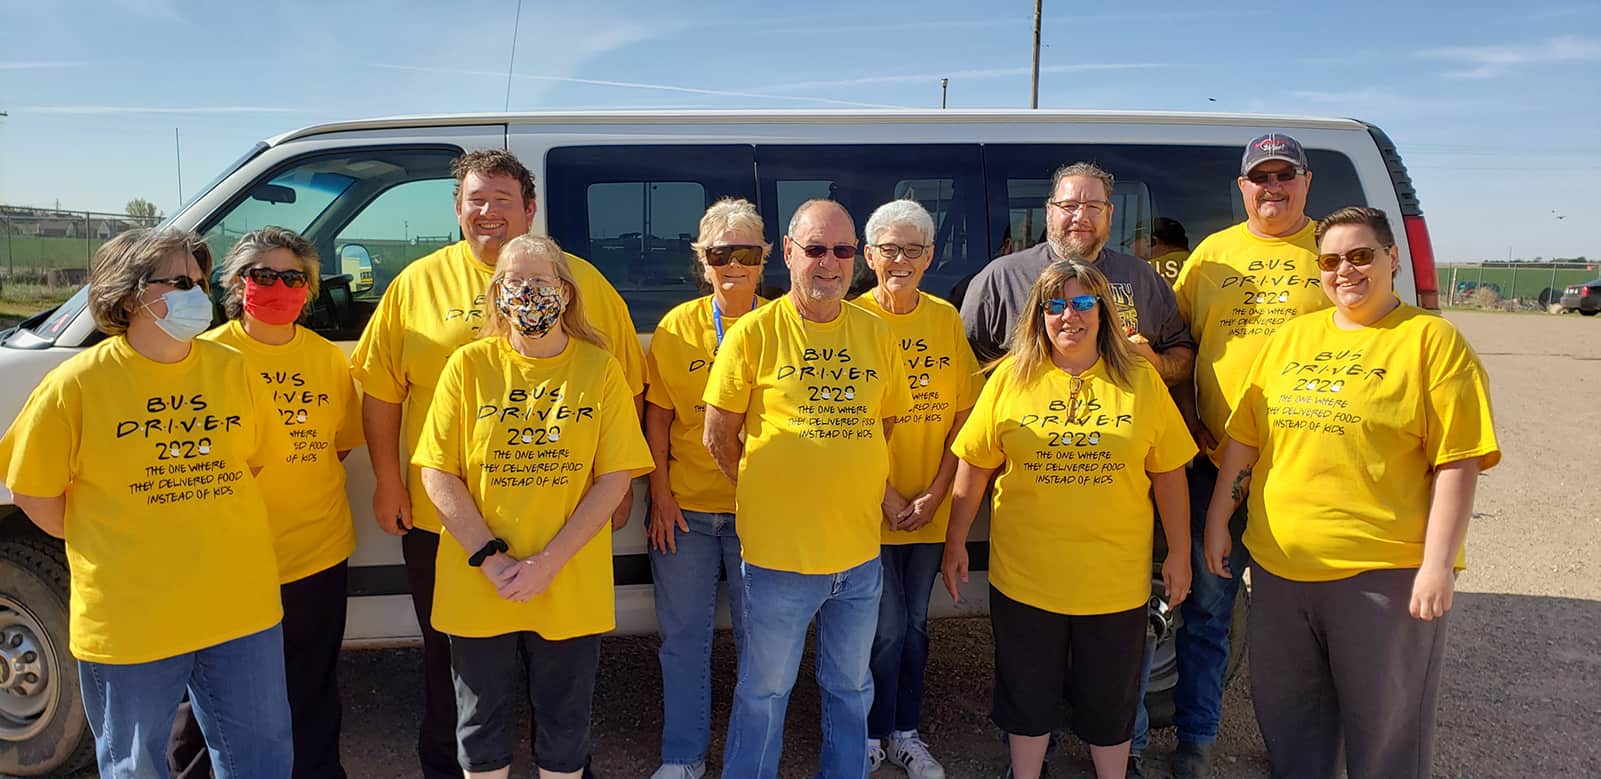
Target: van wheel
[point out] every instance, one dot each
(42, 726)
(1164, 661)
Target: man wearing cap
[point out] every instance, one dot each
(1078, 223)
(1236, 289)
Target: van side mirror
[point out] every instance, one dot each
(356, 262)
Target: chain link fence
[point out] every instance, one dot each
(1511, 286)
(45, 253)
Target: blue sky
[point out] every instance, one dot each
(1496, 107)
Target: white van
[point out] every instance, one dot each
(626, 191)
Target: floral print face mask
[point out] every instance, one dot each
(531, 310)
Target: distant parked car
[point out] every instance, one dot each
(1584, 298)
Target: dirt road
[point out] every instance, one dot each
(1522, 688)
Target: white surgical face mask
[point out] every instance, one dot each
(188, 313)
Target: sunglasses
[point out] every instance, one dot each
(180, 283)
(1283, 176)
(891, 251)
(816, 251)
(744, 254)
(267, 277)
(1079, 303)
(1359, 257)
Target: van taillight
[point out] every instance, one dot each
(1585, 292)
(1428, 285)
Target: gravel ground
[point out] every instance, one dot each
(1522, 685)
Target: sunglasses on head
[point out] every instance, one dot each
(1359, 257)
(816, 251)
(267, 277)
(1262, 177)
(180, 283)
(1079, 303)
(744, 254)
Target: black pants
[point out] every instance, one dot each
(314, 628)
(436, 738)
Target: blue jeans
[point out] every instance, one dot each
(686, 609)
(237, 691)
(900, 647)
(1142, 718)
(1202, 642)
(778, 607)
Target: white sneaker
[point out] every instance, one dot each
(680, 771)
(875, 754)
(911, 753)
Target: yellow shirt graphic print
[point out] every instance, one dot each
(944, 379)
(433, 307)
(814, 396)
(1071, 523)
(1349, 425)
(1235, 291)
(528, 435)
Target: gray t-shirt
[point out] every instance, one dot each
(996, 296)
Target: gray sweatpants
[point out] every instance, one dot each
(1342, 666)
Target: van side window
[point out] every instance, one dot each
(369, 212)
(634, 210)
(1194, 185)
(947, 179)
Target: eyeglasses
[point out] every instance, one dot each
(816, 251)
(1283, 176)
(1079, 303)
(744, 254)
(1359, 257)
(180, 283)
(529, 282)
(267, 277)
(892, 251)
(1093, 207)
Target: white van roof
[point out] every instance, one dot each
(656, 117)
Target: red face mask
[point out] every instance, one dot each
(278, 304)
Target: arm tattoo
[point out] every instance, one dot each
(1241, 481)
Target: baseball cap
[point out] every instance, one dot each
(1273, 146)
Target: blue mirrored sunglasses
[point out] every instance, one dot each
(1080, 303)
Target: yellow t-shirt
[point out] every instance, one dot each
(433, 307)
(1071, 523)
(1350, 425)
(944, 379)
(528, 436)
(1167, 265)
(167, 536)
(1235, 290)
(676, 370)
(814, 396)
(319, 415)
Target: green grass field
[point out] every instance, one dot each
(1518, 282)
(20, 301)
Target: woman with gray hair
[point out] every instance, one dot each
(268, 279)
(693, 540)
(945, 381)
(141, 453)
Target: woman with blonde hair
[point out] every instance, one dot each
(530, 442)
(141, 452)
(693, 540)
(269, 278)
(1367, 426)
(1083, 432)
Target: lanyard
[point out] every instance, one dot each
(717, 318)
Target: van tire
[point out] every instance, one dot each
(42, 731)
(1159, 695)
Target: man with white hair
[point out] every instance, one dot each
(814, 385)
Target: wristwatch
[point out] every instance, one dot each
(487, 551)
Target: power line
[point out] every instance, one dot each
(517, 20)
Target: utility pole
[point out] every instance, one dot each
(943, 84)
(1034, 88)
(177, 147)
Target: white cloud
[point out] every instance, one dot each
(115, 109)
(633, 85)
(1492, 61)
(956, 75)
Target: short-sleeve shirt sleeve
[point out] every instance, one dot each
(1457, 408)
(622, 444)
(441, 445)
(375, 361)
(979, 443)
(39, 453)
(733, 372)
(1173, 446)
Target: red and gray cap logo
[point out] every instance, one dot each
(1273, 146)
